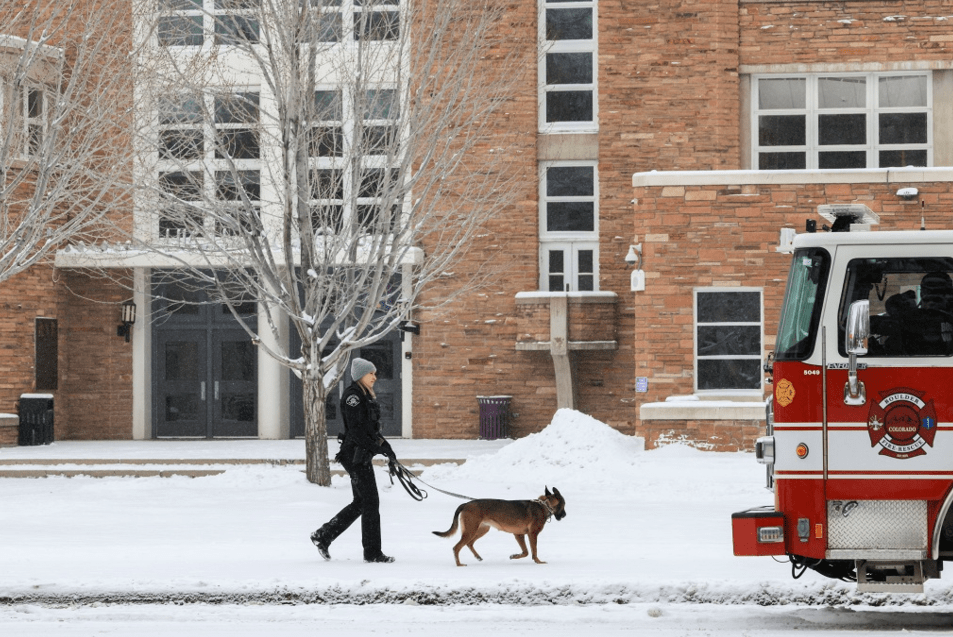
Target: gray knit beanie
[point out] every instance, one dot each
(360, 367)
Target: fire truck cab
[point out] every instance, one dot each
(859, 439)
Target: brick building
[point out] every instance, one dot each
(737, 118)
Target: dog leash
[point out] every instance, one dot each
(406, 480)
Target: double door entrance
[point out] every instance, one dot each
(205, 371)
(205, 367)
(385, 354)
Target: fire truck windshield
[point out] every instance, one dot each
(803, 299)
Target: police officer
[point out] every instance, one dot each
(362, 441)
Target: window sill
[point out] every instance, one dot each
(694, 408)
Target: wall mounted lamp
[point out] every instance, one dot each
(908, 193)
(407, 327)
(128, 319)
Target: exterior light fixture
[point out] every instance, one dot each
(908, 193)
(128, 319)
(801, 451)
(634, 259)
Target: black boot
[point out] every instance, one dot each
(318, 540)
(380, 558)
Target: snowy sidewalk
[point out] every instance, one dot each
(200, 458)
(642, 527)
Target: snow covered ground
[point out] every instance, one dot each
(645, 547)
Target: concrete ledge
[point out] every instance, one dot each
(9, 430)
(108, 473)
(772, 177)
(529, 298)
(702, 410)
(545, 346)
(90, 467)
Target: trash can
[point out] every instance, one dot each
(36, 419)
(494, 416)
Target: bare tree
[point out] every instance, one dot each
(65, 158)
(331, 159)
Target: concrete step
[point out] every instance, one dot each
(144, 467)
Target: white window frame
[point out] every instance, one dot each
(572, 270)
(570, 242)
(207, 164)
(198, 11)
(811, 111)
(351, 201)
(568, 46)
(756, 392)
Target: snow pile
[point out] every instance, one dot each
(574, 447)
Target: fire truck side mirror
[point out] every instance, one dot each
(858, 328)
(855, 342)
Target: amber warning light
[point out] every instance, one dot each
(801, 451)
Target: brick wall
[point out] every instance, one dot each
(23, 298)
(95, 397)
(844, 32)
(725, 236)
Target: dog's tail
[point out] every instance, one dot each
(453, 527)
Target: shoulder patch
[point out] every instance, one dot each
(353, 400)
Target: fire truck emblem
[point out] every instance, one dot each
(902, 424)
(784, 392)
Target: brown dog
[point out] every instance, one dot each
(519, 517)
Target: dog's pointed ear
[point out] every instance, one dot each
(556, 491)
(547, 491)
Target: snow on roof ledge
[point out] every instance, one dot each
(753, 177)
(695, 408)
(570, 295)
(17, 44)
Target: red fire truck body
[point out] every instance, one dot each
(859, 440)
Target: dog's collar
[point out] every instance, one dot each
(549, 509)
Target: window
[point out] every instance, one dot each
(803, 301)
(29, 117)
(180, 23)
(911, 305)
(236, 125)
(363, 125)
(568, 72)
(376, 20)
(728, 328)
(236, 21)
(827, 121)
(569, 237)
(180, 215)
(208, 161)
(240, 194)
(379, 124)
(327, 25)
(180, 128)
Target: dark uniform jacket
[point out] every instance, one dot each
(362, 427)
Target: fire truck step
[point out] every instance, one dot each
(890, 577)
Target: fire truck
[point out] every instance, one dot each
(859, 428)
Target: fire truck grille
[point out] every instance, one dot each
(877, 524)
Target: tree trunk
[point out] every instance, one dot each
(316, 431)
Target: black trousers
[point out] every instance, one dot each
(365, 505)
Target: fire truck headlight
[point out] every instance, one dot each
(801, 450)
(770, 534)
(764, 450)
